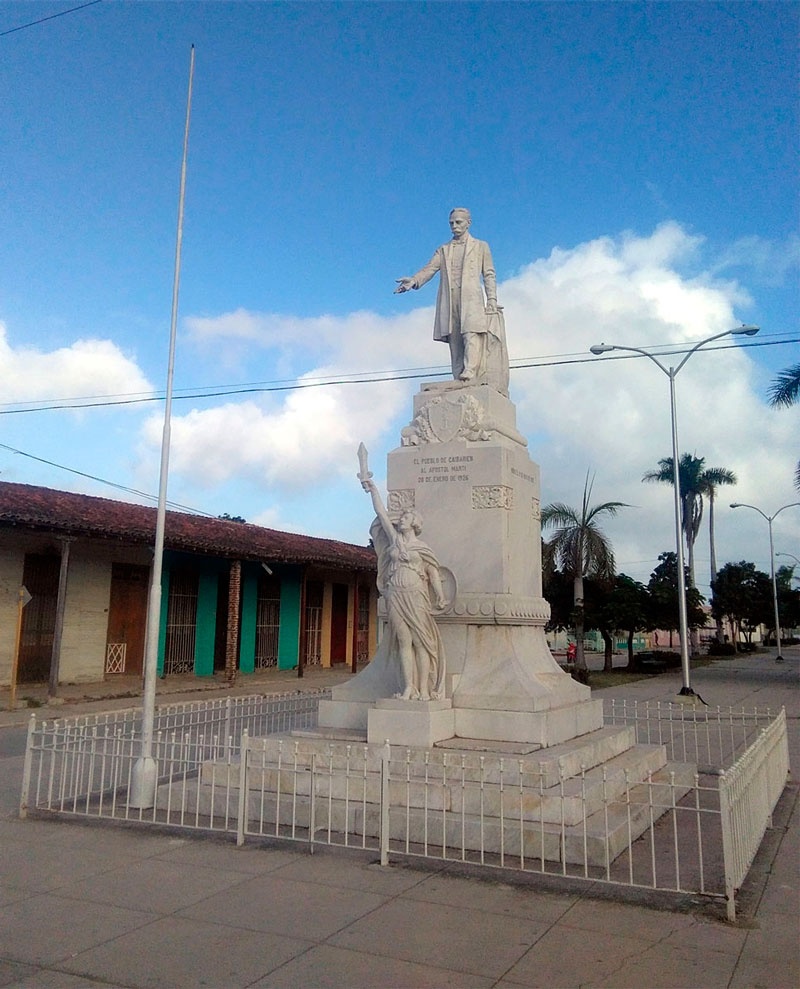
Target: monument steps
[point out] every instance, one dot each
(606, 832)
(498, 785)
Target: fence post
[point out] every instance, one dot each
(243, 781)
(384, 826)
(727, 847)
(227, 732)
(26, 769)
(312, 807)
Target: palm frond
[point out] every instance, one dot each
(785, 389)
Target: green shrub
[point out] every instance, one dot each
(721, 649)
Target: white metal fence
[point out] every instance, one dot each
(692, 826)
(749, 791)
(710, 737)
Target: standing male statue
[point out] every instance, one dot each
(472, 325)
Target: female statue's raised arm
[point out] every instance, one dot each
(369, 485)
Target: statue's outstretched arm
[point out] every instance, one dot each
(380, 510)
(422, 276)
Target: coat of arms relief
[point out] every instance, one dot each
(447, 418)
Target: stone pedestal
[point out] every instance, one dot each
(415, 723)
(464, 466)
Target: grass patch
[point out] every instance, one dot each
(598, 679)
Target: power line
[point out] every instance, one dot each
(659, 349)
(50, 17)
(103, 480)
(384, 377)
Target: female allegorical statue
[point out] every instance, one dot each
(410, 582)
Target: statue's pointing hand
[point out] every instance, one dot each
(403, 285)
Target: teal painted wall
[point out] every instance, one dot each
(247, 628)
(206, 623)
(289, 633)
(162, 628)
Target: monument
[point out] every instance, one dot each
(462, 471)
(491, 745)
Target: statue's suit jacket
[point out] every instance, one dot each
(477, 264)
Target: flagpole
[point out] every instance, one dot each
(143, 777)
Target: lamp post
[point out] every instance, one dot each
(769, 518)
(672, 373)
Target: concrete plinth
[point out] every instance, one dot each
(417, 723)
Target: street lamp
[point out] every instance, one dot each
(769, 518)
(671, 373)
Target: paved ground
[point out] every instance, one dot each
(87, 905)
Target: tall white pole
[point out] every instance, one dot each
(779, 657)
(681, 575)
(672, 373)
(143, 778)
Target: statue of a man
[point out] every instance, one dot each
(463, 316)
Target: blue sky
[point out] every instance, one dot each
(631, 165)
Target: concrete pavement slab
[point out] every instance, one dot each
(284, 906)
(667, 966)
(774, 972)
(567, 957)
(12, 973)
(44, 929)
(492, 897)
(153, 884)
(333, 867)
(216, 853)
(457, 938)
(650, 925)
(48, 867)
(326, 967)
(10, 894)
(174, 952)
(43, 978)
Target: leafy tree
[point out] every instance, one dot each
(231, 518)
(785, 391)
(788, 599)
(663, 588)
(743, 595)
(628, 608)
(558, 590)
(696, 482)
(580, 549)
(598, 616)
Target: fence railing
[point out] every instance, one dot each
(711, 737)
(749, 791)
(692, 825)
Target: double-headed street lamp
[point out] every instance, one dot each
(671, 373)
(769, 518)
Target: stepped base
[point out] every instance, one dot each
(581, 802)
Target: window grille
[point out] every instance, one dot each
(115, 657)
(313, 617)
(181, 623)
(268, 620)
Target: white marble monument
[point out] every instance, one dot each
(472, 592)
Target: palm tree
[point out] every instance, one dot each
(785, 391)
(580, 549)
(696, 481)
(714, 478)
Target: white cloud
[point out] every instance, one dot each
(770, 261)
(86, 367)
(611, 416)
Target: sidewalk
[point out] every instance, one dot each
(87, 905)
(121, 691)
